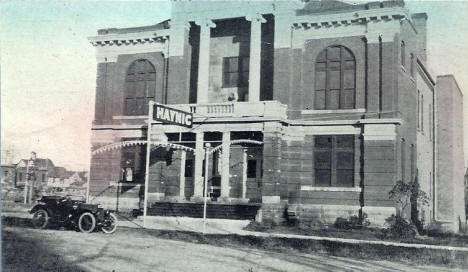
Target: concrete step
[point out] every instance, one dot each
(215, 226)
(195, 210)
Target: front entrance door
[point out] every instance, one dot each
(254, 174)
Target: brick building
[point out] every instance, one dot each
(338, 95)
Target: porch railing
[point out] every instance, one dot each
(272, 109)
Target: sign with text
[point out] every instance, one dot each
(172, 116)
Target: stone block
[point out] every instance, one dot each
(377, 215)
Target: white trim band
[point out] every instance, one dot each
(330, 189)
(333, 111)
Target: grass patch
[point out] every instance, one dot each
(363, 233)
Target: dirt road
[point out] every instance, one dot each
(26, 249)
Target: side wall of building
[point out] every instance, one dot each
(450, 208)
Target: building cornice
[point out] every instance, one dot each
(344, 122)
(425, 71)
(130, 38)
(348, 18)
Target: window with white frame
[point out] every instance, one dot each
(335, 79)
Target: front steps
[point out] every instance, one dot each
(246, 211)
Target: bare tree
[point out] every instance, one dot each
(9, 154)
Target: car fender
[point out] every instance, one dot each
(40, 206)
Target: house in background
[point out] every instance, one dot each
(60, 179)
(65, 178)
(43, 169)
(7, 174)
(339, 96)
(46, 175)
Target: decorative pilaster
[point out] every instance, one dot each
(204, 60)
(283, 29)
(179, 35)
(271, 162)
(379, 169)
(373, 59)
(255, 55)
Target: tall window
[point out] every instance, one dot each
(403, 159)
(422, 113)
(236, 72)
(413, 162)
(335, 76)
(419, 109)
(412, 65)
(430, 122)
(334, 160)
(140, 87)
(403, 53)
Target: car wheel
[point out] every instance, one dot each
(87, 222)
(110, 224)
(40, 219)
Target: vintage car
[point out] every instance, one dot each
(63, 211)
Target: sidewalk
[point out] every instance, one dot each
(235, 227)
(224, 226)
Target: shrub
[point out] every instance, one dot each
(352, 222)
(409, 195)
(398, 227)
(256, 226)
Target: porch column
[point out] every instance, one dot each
(226, 151)
(199, 156)
(255, 55)
(183, 157)
(204, 60)
(244, 173)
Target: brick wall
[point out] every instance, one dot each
(110, 84)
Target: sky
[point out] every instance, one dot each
(48, 67)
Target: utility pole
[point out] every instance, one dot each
(205, 189)
(26, 184)
(30, 178)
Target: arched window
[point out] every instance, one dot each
(140, 87)
(335, 79)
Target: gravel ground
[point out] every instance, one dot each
(129, 249)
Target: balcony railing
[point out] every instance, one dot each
(269, 109)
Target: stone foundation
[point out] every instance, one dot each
(271, 213)
(324, 214)
(377, 215)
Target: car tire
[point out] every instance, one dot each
(87, 222)
(110, 229)
(41, 219)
